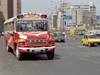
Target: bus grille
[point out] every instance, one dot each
(36, 43)
(38, 38)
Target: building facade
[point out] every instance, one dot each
(77, 16)
(62, 11)
(8, 9)
(54, 21)
(17, 7)
(81, 14)
(84, 14)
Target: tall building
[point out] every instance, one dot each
(88, 18)
(8, 9)
(17, 7)
(84, 14)
(62, 11)
(77, 16)
(54, 21)
(81, 14)
(63, 7)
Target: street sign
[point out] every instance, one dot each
(98, 17)
(68, 17)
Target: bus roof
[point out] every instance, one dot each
(9, 20)
(12, 19)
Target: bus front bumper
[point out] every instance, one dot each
(33, 50)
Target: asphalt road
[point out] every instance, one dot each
(71, 58)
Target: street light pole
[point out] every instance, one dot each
(63, 15)
(52, 18)
(56, 3)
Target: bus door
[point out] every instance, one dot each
(11, 36)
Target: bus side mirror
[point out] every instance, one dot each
(2, 32)
(10, 33)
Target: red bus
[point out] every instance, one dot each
(28, 33)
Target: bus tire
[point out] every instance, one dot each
(19, 55)
(8, 49)
(50, 55)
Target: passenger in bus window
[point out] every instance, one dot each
(37, 28)
(26, 28)
(21, 28)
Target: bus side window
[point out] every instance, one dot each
(17, 28)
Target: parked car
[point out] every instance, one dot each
(90, 40)
(59, 37)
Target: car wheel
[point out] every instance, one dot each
(19, 55)
(50, 55)
(89, 44)
(83, 44)
(63, 40)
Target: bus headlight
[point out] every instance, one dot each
(51, 42)
(21, 43)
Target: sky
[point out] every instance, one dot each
(41, 6)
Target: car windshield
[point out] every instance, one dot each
(24, 26)
(58, 34)
(93, 37)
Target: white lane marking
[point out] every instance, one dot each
(58, 44)
(70, 43)
(82, 47)
(66, 44)
(78, 43)
(90, 60)
(63, 44)
(70, 47)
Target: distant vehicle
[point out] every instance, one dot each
(80, 31)
(90, 40)
(59, 37)
(94, 30)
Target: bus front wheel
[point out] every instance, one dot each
(50, 55)
(19, 55)
(8, 49)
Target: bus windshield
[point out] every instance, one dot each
(24, 26)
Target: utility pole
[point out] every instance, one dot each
(76, 17)
(56, 9)
(63, 15)
(51, 18)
